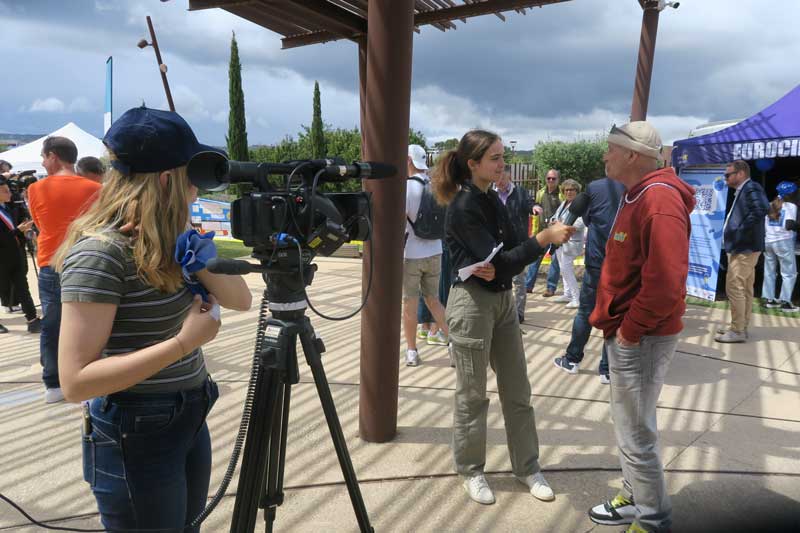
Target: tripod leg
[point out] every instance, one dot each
(312, 353)
(272, 496)
(253, 471)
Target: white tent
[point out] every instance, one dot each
(29, 156)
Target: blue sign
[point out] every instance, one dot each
(212, 215)
(708, 216)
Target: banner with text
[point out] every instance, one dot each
(705, 245)
(212, 215)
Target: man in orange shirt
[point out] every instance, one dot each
(54, 203)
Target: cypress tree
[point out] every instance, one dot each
(318, 150)
(237, 127)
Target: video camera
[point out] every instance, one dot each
(18, 182)
(298, 220)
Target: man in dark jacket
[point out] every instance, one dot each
(640, 303)
(743, 240)
(520, 206)
(604, 196)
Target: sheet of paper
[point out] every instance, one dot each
(465, 272)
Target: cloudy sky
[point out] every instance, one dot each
(559, 72)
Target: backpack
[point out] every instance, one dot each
(430, 217)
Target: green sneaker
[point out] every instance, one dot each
(618, 511)
(422, 333)
(439, 339)
(635, 528)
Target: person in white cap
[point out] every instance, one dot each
(422, 262)
(640, 302)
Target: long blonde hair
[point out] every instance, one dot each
(159, 214)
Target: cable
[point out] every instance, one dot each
(246, 413)
(366, 295)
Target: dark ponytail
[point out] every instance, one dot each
(451, 170)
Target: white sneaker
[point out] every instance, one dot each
(538, 486)
(412, 358)
(562, 299)
(478, 489)
(572, 305)
(53, 395)
(605, 379)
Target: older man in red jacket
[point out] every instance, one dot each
(640, 302)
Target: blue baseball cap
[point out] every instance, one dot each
(152, 140)
(786, 188)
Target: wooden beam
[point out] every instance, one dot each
(305, 39)
(336, 16)
(198, 5)
(476, 10)
(440, 16)
(265, 18)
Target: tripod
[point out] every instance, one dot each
(261, 477)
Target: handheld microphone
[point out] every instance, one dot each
(577, 208)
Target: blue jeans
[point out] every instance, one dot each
(147, 458)
(553, 274)
(779, 253)
(581, 329)
(423, 313)
(50, 296)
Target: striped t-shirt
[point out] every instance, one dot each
(104, 272)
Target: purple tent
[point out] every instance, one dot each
(771, 133)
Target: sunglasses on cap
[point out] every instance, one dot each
(615, 129)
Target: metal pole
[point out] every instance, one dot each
(644, 67)
(161, 69)
(385, 132)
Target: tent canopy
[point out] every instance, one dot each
(771, 133)
(29, 156)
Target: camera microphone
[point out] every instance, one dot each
(577, 208)
(364, 170)
(231, 267)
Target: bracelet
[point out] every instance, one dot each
(183, 350)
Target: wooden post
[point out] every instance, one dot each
(384, 130)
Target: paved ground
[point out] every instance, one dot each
(729, 419)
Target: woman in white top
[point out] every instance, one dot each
(781, 231)
(568, 251)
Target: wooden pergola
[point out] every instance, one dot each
(383, 31)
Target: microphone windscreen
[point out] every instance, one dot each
(380, 170)
(579, 205)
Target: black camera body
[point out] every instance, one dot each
(287, 227)
(321, 226)
(21, 181)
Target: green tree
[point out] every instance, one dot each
(417, 137)
(318, 148)
(581, 160)
(237, 126)
(236, 139)
(448, 144)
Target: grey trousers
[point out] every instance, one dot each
(520, 294)
(484, 330)
(637, 374)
